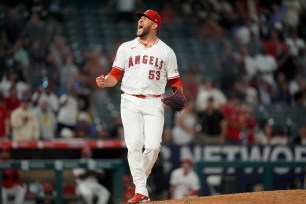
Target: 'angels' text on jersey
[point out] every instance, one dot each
(145, 59)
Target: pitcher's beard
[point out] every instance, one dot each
(144, 33)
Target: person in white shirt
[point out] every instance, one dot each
(292, 15)
(146, 64)
(88, 185)
(184, 182)
(13, 80)
(266, 65)
(69, 108)
(45, 91)
(296, 45)
(207, 90)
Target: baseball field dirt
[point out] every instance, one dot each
(266, 197)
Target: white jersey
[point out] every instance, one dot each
(146, 69)
(184, 184)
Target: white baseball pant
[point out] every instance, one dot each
(143, 122)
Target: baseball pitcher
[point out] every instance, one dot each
(146, 64)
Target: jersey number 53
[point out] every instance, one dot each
(154, 74)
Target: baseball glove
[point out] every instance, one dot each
(177, 101)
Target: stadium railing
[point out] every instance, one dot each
(116, 165)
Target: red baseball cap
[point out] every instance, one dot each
(152, 15)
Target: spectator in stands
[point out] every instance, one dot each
(208, 89)
(225, 13)
(34, 29)
(277, 15)
(185, 123)
(265, 91)
(11, 183)
(266, 65)
(8, 63)
(102, 58)
(301, 139)
(250, 128)
(243, 33)
(292, 15)
(282, 93)
(24, 122)
(69, 108)
(46, 91)
(246, 65)
(46, 119)
(167, 13)
(36, 6)
(191, 82)
(93, 68)
(265, 135)
(13, 25)
(297, 89)
(4, 119)
(274, 46)
(184, 182)
(58, 50)
(125, 10)
(71, 70)
(12, 101)
(104, 133)
(55, 9)
(87, 181)
(21, 54)
(227, 66)
(84, 93)
(51, 72)
(234, 115)
(288, 64)
(249, 93)
(296, 45)
(14, 80)
(280, 138)
(84, 128)
(37, 54)
(212, 124)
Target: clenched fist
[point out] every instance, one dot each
(100, 80)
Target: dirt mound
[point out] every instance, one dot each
(266, 197)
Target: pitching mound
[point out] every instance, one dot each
(267, 197)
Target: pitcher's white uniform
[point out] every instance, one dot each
(145, 71)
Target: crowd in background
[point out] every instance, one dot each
(46, 95)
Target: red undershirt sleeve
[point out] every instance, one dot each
(116, 72)
(176, 82)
